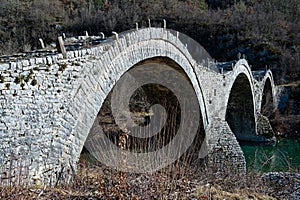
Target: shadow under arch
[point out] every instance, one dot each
(267, 102)
(140, 102)
(240, 109)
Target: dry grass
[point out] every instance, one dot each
(175, 182)
(216, 192)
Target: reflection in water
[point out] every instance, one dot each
(284, 155)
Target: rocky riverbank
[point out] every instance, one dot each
(283, 184)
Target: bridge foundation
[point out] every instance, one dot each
(225, 155)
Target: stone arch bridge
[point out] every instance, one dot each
(49, 103)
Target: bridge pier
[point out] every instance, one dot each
(225, 156)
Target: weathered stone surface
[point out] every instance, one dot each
(264, 127)
(285, 185)
(48, 105)
(4, 67)
(224, 153)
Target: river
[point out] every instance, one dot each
(284, 155)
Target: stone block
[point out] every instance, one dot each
(4, 67)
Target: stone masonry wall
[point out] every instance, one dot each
(40, 131)
(48, 104)
(35, 94)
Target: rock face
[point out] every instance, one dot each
(48, 104)
(284, 185)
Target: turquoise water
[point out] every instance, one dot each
(284, 155)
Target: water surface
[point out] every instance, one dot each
(284, 155)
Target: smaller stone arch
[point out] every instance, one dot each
(240, 114)
(241, 103)
(267, 103)
(245, 121)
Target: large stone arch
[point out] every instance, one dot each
(105, 72)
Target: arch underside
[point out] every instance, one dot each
(240, 110)
(267, 103)
(140, 107)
